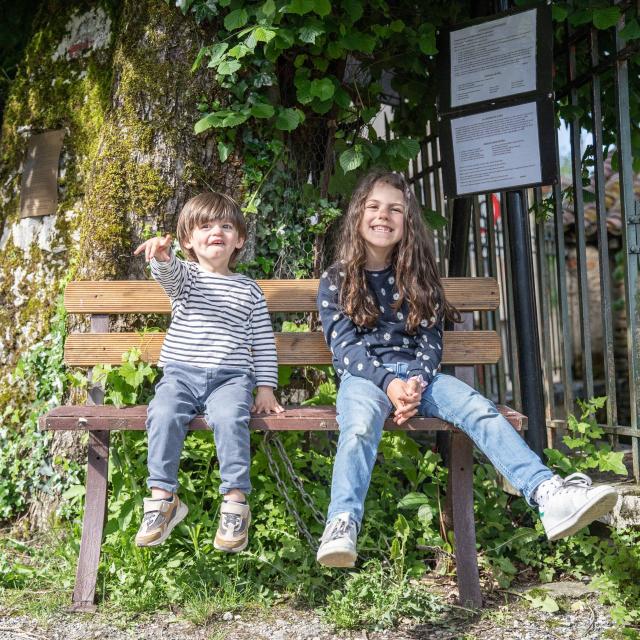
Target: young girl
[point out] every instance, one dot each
(382, 308)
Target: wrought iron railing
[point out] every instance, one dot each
(586, 268)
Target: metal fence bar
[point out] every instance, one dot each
(563, 300)
(603, 240)
(630, 239)
(494, 270)
(511, 315)
(581, 245)
(544, 304)
(489, 249)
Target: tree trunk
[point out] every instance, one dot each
(118, 81)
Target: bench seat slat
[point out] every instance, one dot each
(87, 349)
(110, 418)
(146, 296)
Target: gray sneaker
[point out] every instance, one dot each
(160, 517)
(338, 542)
(233, 529)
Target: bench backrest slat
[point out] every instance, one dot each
(87, 349)
(146, 296)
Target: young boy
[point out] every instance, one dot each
(219, 346)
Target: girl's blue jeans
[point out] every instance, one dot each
(363, 407)
(225, 397)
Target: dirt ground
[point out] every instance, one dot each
(507, 615)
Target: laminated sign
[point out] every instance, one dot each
(495, 107)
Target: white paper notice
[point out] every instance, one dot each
(493, 59)
(497, 149)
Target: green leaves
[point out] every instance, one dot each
(236, 19)
(413, 501)
(631, 30)
(223, 118)
(358, 41)
(227, 67)
(288, 119)
(583, 441)
(311, 31)
(262, 110)
(606, 17)
(224, 149)
(302, 7)
(352, 158)
(427, 39)
(322, 89)
(216, 53)
(540, 599)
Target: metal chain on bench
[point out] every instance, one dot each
(270, 438)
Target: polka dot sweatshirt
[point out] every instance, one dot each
(362, 351)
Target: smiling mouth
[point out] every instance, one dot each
(381, 229)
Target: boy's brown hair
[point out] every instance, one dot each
(206, 207)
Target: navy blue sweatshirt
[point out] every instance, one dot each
(362, 351)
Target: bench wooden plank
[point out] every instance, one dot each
(110, 418)
(146, 296)
(87, 349)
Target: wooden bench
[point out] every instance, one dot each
(463, 348)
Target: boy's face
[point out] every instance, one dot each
(214, 242)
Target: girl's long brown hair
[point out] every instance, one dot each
(416, 274)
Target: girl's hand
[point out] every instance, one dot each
(158, 248)
(405, 397)
(265, 402)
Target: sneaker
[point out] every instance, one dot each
(233, 530)
(160, 517)
(568, 505)
(338, 542)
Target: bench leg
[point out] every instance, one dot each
(93, 523)
(464, 529)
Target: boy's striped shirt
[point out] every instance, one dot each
(216, 320)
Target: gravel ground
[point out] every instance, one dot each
(507, 616)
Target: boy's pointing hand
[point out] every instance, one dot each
(158, 248)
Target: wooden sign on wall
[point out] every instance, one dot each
(39, 191)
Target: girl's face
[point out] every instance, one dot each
(382, 224)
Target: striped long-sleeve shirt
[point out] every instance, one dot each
(216, 320)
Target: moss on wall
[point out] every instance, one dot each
(37, 253)
(130, 158)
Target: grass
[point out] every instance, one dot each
(376, 598)
(41, 605)
(203, 604)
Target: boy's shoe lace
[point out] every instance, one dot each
(338, 542)
(233, 529)
(567, 505)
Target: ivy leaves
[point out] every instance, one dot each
(313, 39)
(394, 154)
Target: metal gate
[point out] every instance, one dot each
(585, 234)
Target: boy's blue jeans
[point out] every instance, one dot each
(225, 397)
(363, 407)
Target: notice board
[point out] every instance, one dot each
(495, 104)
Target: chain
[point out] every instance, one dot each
(306, 498)
(273, 466)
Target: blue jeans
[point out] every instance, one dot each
(225, 397)
(363, 407)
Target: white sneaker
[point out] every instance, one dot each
(568, 505)
(338, 542)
